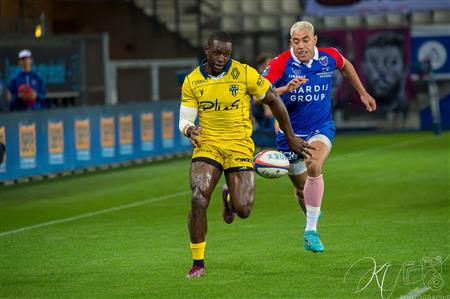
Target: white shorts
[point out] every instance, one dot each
(299, 167)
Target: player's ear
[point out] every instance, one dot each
(315, 38)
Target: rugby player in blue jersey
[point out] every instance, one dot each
(302, 77)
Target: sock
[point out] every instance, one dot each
(198, 252)
(313, 200)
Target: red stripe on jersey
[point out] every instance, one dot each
(333, 52)
(277, 66)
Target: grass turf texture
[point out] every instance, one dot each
(386, 197)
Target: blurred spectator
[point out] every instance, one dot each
(26, 89)
(386, 71)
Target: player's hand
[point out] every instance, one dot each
(369, 102)
(194, 135)
(300, 146)
(295, 83)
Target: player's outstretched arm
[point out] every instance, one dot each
(349, 73)
(296, 144)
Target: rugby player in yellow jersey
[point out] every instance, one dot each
(218, 91)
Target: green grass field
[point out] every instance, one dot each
(123, 234)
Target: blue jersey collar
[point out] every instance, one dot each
(206, 75)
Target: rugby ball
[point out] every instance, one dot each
(271, 164)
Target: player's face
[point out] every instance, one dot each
(218, 53)
(26, 63)
(384, 69)
(303, 42)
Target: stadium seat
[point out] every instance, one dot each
(231, 24)
(375, 20)
(354, 21)
(333, 22)
(230, 7)
(268, 23)
(270, 6)
(396, 19)
(250, 6)
(250, 24)
(291, 6)
(286, 23)
(421, 17)
(441, 17)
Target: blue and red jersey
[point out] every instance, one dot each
(309, 105)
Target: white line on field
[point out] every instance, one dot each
(164, 197)
(414, 293)
(99, 212)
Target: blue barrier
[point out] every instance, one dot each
(52, 141)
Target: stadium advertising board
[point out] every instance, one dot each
(126, 134)
(167, 125)
(431, 43)
(83, 139)
(147, 132)
(61, 140)
(107, 136)
(3, 140)
(55, 142)
(352, 7)
(27, 140)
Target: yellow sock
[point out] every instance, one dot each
(198, 250)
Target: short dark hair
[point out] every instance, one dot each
(220, 36)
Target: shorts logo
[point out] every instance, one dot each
(235, 73)
(323, 60)
(243, 159)
(233, 89)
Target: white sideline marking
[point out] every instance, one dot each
(414, 293)
(91, 214)
(164, 197)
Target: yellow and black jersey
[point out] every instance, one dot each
(223, 102)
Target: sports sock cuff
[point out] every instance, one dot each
(198, 250)
(315, 177)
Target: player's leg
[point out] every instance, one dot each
(299, 183)
(313, 191)
(241, 185)
(204, 176)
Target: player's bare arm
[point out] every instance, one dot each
(297, 144)
(349, 73)
(187, 125)
(293, 84)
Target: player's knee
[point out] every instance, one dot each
(314, 167)
(243, 210)
(199, 200)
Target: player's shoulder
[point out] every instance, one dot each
(194, 78)
(333, 53)
(282, 58)
(235, 64)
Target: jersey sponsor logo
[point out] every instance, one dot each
(309, 93)
(235, 73)
(326, 72)
(260, 81)
(323, 60)
(215, 106)
(197, 82)
(233, 89)
(297, 72)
